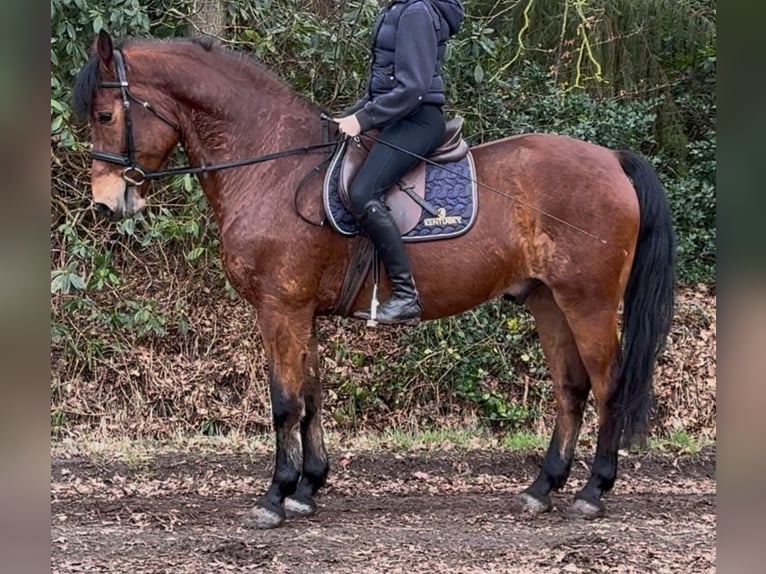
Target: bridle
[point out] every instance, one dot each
(136, 174)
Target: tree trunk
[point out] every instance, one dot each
(208, 17)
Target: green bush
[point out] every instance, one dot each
(489, 357)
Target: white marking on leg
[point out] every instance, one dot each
(294, 447)
(297, 508)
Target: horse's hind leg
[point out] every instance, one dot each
(315, 465)
(286, 335)
(596, 336)
(571, 385)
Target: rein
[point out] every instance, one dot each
(149, 175)
(136, 174)
(478, 183)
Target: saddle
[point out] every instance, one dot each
(406, 199)
(430, 202)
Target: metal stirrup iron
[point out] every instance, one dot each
(372, 321)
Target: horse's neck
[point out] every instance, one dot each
(230, 111)
(246, 125)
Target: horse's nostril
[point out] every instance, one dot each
(104, 211)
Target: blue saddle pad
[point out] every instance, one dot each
(450, 188)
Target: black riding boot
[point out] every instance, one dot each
(403, 306)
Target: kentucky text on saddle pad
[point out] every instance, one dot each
(446, 204)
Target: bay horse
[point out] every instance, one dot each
(574, 231)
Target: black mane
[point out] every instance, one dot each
(207, 42)
(84, 89)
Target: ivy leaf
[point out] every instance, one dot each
(478, 73)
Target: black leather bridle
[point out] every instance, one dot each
(136, 174)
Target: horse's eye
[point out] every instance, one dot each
(104, 117)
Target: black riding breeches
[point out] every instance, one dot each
(421, 132)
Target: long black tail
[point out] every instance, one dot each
(649, 299)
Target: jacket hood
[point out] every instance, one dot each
(452, 12)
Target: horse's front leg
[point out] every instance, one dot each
(315, 466)
(286, 338)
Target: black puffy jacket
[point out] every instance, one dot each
(408, 44)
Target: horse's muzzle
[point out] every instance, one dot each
(105, 211)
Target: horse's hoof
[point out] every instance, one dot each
(299, 507)
(525, 503)
(263, 518)
(587, 509)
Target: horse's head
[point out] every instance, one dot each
(132, 128)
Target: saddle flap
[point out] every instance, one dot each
(352, 159)
(405, 211)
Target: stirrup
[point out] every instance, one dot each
(372, 320)
(372, 314)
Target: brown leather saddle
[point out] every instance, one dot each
(406, 198)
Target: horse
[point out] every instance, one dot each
(571, 229)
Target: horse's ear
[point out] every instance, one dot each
(103, 47)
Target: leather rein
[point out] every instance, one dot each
(136, 174)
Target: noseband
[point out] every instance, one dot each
(134, 173)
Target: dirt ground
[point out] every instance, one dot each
(432, 511)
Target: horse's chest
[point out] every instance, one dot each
(242, 257)
(255, 265)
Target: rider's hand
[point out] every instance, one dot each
(349, 126)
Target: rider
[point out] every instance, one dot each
(404, 98)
